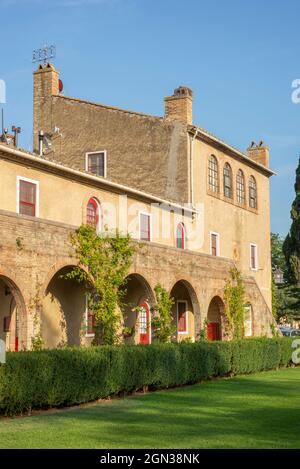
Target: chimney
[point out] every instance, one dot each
(179, 107)
(45, 86)
(259, 153)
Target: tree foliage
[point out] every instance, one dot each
(277, 254)
(234, 299)
(163, 323)
(291, 246)
(103, 265)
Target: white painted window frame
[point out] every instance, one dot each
(87, 334)
(37, 194)
(255, 269)
(186, 316)
(218, 242)
(149, 325)
(141, 212)
(95, 153)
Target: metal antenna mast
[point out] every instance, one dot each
(44, 54)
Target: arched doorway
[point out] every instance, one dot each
(13, 330)
(137, 302)
(214, 319)
(64, 316)
(185, 308)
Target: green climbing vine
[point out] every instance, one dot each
(163, 323)
(234, 299)
(103, 264)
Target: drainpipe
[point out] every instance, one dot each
(192, 167)
(41, 141)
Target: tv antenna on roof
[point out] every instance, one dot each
(44, 54)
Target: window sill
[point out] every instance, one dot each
(231, 201)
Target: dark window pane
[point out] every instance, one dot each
(96, 164)
(144, 227)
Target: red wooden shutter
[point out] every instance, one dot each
(27, 198)
(92, 213)
(182, 324)
(214, 251)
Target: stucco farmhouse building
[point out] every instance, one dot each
(196, 205)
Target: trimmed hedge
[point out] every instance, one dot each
(54, 378)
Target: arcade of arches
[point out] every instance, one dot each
(65, 320)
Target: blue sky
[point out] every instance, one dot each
(239, 57)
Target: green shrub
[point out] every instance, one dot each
(55, 378)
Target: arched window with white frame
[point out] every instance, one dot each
(227, 181)
(240, 187)
(252, 192)
(213, 174)
(180, 236)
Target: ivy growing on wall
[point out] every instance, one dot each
(234, 299)
(163, 322)
(104, 261)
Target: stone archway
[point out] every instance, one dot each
(13, 316)
(137, 301)
(63, 311)
(215, 319)
(185, 309)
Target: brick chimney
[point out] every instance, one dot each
(259, 153)
(45, 86)
(179, 107)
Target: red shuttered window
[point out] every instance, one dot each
(214, 243)
(92, 213)
(27, 198)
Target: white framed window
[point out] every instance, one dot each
(213, 174)
(145, 228)
(28, 196)
(89, 319)
(214, 243)
(182, 317)
(248, 321)
(96, 163)
(253, 257)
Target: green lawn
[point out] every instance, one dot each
(256, 411)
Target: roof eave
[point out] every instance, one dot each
(233, 151)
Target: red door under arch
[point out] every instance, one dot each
(213, 331)
(144, 323)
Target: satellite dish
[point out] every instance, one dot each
(60, 86)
